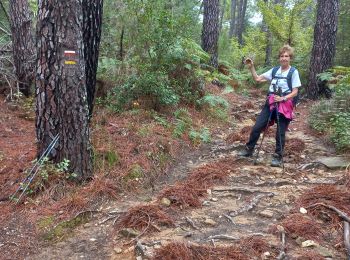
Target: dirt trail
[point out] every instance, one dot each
(270, 191)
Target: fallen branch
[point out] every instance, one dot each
(347, 238)
(190, 221)
(224, 237)
(241, 189)
(229, 218)
(282, 253)
(338, 211)
(143, 231)
(277, 183)
(251, 204)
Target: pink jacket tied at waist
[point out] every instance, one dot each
(284, 107)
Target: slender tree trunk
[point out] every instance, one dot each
(92, 22)
(268, 49)
(23, 44)
(61, 93)
(324, 44)
(240, 20)
(210, 31)
(121, 50)
(233, 18)
(222, 13)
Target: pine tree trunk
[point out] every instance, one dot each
(324, 44)
(241, 17)
(92, 22)
(268, 49)
(61, 95)
(23, 44)
(210, 31)
(233, 18)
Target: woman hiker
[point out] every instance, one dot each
(284, 80)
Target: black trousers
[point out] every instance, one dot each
(261, 124)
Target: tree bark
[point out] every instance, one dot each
(240, 20)
(92, 22)
(61, 93)
(210, 31)
(222, 13)
(324, 44)
(268, 49)
(233, 18)
(22, 44)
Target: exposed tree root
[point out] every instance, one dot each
(347, 238)
(251, 204)
(338, 211)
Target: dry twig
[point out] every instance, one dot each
(190, 221)
(224, 237)
(251, 204)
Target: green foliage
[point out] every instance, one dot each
(332, 117)
(160, 60)
(340, 131)
(215, 107)
(183, 122)
(214, 101)
(198, 137)
(106, 159)
(136, 172)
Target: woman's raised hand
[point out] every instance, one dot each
(249, 62)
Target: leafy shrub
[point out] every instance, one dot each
(332, 117)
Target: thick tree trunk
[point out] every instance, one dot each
(23, 44)
(210, 31)
(323, 49)
(92, 22)
(61, 95)
(233, 18)
(268, 49)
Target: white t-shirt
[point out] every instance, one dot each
(282, 83)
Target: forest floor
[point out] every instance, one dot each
(209, 204)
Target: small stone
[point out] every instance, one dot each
(280, 228)
(309, 243)
(209, 191)
(138, 257)
(87, 225)
(210, 222)
(118, 250)
(266, 213)
(93, 239)
(166, 202)
(299, 240)
(302, 156)
(129, 232)
(206, 203)
(266, 255)
(302, 210)
(214, 199)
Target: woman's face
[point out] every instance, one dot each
(285, 59)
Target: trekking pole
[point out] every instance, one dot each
(35, 168)
(279, 128)
(263, 137)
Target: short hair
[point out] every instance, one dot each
(288, 49)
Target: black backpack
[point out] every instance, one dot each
(289, 81)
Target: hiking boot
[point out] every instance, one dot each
(276, 160)
(246, 152)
